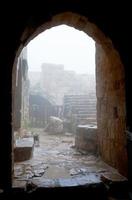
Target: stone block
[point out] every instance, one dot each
(23, 149)
(86, 138)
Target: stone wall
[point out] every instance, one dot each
(111, 108)
(21, 100)
(17, 100)
(110, 137)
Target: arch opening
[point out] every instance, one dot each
(109, 89)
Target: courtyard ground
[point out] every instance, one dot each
(56, 162)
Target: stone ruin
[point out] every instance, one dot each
(55, 125)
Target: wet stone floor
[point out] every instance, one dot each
(56, 163)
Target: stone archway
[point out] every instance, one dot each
(110, 87)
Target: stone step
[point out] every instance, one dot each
(87, 180)
(77, 108)
(91, 109)
(87, 112)
(75, 96)
(81, 105)
(87, 115)
(87, 107)
(80, 98)
(81, 95)
(86, 118)
(81, 102)
(77, 99)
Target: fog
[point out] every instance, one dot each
(63, 45)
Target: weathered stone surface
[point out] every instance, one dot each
(44, 183)
(86, 138)
(80, 171)
(19, 184)
(111, 108)
(25, 171)
(91, 178)
(109, 177)
(23, 149)
(21, 93)
(117, 185)
(69, 182)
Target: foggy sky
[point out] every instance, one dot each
(62, 45)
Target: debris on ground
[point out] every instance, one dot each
(54, 126)
(81, 171)
(55, 159)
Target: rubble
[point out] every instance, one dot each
(81, 171)
(26, 172)
(55, 164)
(55, 125)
